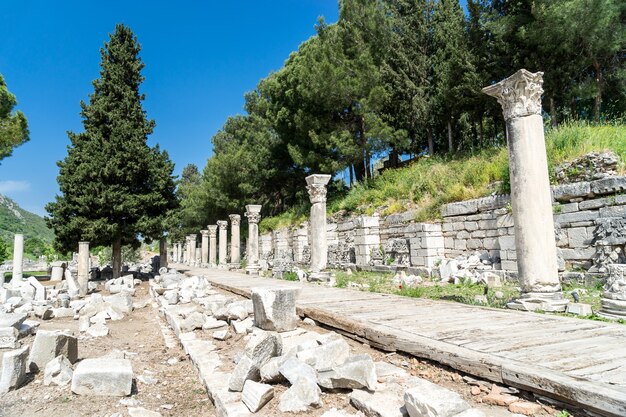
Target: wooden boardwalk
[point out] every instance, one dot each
(581, 362)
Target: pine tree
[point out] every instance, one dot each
(13, 127)
(454, 76)
(114, 187)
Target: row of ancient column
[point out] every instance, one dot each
(208, 252)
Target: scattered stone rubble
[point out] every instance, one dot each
(53, 353)
(308, 362)
(589, 167)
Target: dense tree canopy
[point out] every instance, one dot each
(396, 78)
(13, 125)
(115, 189)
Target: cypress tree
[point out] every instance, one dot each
(114, 187)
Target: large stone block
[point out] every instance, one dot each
(8, 337)
(432, 400)
(303, 395)
(357, 372)
(48, 345)
(58, 371)
(326, 356)
(275, 309)
(567, 192)
(255, 395)
(13, 371)
(462, 207)
(579, 216)
(103, 376)
(611, 185)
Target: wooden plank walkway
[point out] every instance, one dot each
(581, 362)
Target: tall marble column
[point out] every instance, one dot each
(192, 250)
(18, 258)
(83, 268)
(223, 242)
(212, 245)
(253, 214)
(205, 247)
(179, 252)
(186, 250)
(235, 240)
(316, 186)
(531, 197)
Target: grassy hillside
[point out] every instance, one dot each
(14, 219)
(429, 183)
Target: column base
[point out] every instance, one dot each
(319, 276)
(253, 269)
(544, 301)
(612, 309)
(222, 266)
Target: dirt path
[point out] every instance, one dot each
(177, 392)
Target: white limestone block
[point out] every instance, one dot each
(255, 395)
(58, 372)
(49, 344)
(103, 376)
(13, 371)
(275, 309)
(426, 399)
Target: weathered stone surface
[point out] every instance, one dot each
(460, 208)
(255, 395)
(275, 309)
(12, 319)
(212, 323)
(243, 326)
(122, 301)
(327, 356)
(303, 395)
(611, 185)
(98, 330)
(103, 376)
(386, 402)
(48, 345)
(192, 322)
(246, 369)
(567, 192)
(525, 408)
(357, 372)
(432, 400)
(8, 338)
(58, 372)
(13, 371)
(270, 371)
(262, 346)
(292, 369)
(580, 309)
(221, 334)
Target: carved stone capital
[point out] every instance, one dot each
(212, 230)
(222, 224)
(204, 233)
(316, 186)
(235, 219)
(192, 238)
(253, 213)
(519, 95)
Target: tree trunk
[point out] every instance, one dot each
(359, 170)
(481, 131)
(553, 120)
(431, 142)
(117, 258)
(450, 144)
(393, 157)
(368, 168)
(597, 103)
(350, 168)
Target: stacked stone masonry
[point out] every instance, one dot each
(590, 223)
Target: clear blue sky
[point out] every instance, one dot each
(200, 56)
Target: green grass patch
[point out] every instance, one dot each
(431, 182)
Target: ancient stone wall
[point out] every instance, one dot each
(590, 222)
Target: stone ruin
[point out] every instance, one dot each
(282, 349)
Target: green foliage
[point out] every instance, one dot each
(14, 219)
(13, 126)
(290, 276)
(5, 251)
(105, 254)
(430, 182)
(114, 188)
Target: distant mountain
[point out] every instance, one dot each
(14, 219)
